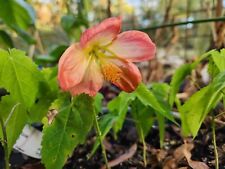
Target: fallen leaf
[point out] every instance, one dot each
(123, 157)
(192, 164)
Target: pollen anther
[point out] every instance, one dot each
(111, 72)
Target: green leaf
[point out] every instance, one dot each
(119, 106)
(73, 25)
(143, 117)
(194, 111)
(98, 102)
(47, 93)
(5, 40)
(177, 79)
(219, 59)
(16, 122)
(68, 129)
(67, 22)
(149, 99)
(19, 75)
(21, 78)
(17, 13)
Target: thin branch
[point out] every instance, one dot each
(184, 23)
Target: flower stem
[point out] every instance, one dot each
(214, 144)
(5, 144)
(144, 148)
(101, 140)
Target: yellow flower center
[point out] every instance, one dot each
(111, 72)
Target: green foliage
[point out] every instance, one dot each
(149, 99)
(48, 92)
(194, 111)
(177, 79)
(21, 78)
(68, 129)
(219, 59)
(119, 107)
(98, 102)
(17, 13)
(143, 116)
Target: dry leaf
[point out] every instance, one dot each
(51, 115)
(192, 164)
(123, 157)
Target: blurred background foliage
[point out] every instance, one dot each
(45, 28)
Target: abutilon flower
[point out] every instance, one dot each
(104, 53)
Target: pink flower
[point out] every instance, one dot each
(104, 53)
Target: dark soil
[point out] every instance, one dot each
(157, 158)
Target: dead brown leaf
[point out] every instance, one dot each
(192, 164)
(123, 157)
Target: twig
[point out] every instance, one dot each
(184, 23)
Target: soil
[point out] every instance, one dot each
(169, 157)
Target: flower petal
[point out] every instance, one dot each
(72, 66)
(101, 34)
(92, 81)
(135, 46)
(124, 74)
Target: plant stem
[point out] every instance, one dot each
(101, 140)
(144, 148)
(5, 145)
(214, 144)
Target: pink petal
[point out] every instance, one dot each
(101, 34)
(92, 81)
(122, 73)
(135, 46)
(72, 66)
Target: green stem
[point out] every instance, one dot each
(101, 140)
(184, 23)
(214, 144)
(144, 147)
(5, 144)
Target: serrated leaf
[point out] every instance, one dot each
(194, 111)
(20, 77)
(68, 129)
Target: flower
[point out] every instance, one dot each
(104, 53)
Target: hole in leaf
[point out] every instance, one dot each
(3, 92)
